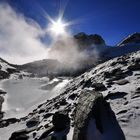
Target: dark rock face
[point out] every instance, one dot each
(32, 122)
(2, 92)
(115, 95)
(60, 121)
(99, 86)
(134, 38)
(19, 135)
(6, 122)
(134, 67)
(46, 133)
(1, 102)
(91, 105)
(3, 74)
(85, 40)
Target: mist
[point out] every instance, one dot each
(20, 43)
(66, 50)
(19, 37)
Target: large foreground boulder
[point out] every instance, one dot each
(94, 119)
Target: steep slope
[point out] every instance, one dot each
(117, 79)
(112, 52)
(131, 39)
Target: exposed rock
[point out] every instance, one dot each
(63, 102)
(85, 40)
(47, 115)
(134, 38)
(2, 92)
(87, 83)
(122, 82)
(11, 70)
(115, 72)
(122, 111)
(6, 122)
(19, 135)
(1, 102)
(134, 67)
(138, 90)
(72, 96)
(41, 110)
(3, 74)
(1, 116)
(114, 95)
(92, 106)
(32, 122)
(99, 86)
(46, 133)
(60, 121)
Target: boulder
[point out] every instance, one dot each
(60, 121)
(94, 119)
(32, 122)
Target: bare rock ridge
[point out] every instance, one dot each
(92, 109)
(131, 39)
(85, 40)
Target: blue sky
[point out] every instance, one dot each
(112, 19)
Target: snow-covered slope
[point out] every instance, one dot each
(112, 52)
(6, 69)
(117, 79)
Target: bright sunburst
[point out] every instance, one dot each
(58, 27)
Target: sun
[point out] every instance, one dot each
(58, 27)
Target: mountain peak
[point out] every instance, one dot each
(131, 39)
(84, 39)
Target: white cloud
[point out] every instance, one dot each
(19, 38)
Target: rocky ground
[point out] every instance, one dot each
(119, 82)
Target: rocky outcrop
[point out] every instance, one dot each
(19, 135)
(60, 127)
(94, 115)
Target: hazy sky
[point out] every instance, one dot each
(113, 19)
